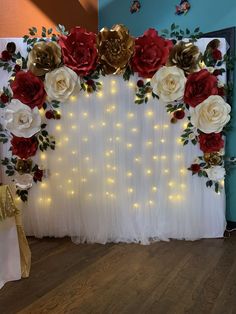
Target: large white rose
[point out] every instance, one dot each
(21, 120)
(169, 83)
(23, 181)
(60, 83)
(216, 173)
(211, 115)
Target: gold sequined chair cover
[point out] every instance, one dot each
(9, 209)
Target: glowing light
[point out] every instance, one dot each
(43, 185)
(49, 200)
(178, 156)
(185, 125)
(137, 159)
(118, 125)
(100, 94)
(56, 174)
(85, 139)
(118, 139)
(90, 195)
(113, 90)
(87, 158)
(170, 197)
(162, 140)
(150, 202)
(58, 127)
(130, 190)
(155, 157)
(59, 159)
(110, 180)
(73, 98)
(103, 124)
(85, 114)
(156, 127)
(91, 170)
(183, 186)
(73, 152)
(92, 126)
(136, 205)
(43, 156)
(129, 145)
(149, 143)
(66, 139)
(165, 126)
(70, 114)
(131, 84)
(149, 171)
(74, 169)
(113, 82)
(178, 140)
(149, 113)
(129, 174)
(171, 183)
(166, 170)
(182, 171)
(134, 130)
(130, 115)
(72, 192)
(114, 168)
(69, 181)
(154, 188)
(108, 166)
(83, 180)
(74, 127)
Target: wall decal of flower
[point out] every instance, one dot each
(183, 7)
(135, 7)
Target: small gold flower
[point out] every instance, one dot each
(44, 57)
(115, 47)
(23, 166)
(213, 159)
(185, 56)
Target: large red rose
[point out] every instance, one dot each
(210, 143)
(151, 52)
(79, 50)
(29, 89)
(199, 86)
(24, 147)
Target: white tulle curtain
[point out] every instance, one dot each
(119, 173)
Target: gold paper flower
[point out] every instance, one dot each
(44, 57)
(115, 48)
(185, 56)
(24, 166)
(213, 159)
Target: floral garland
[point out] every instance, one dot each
(183, 79)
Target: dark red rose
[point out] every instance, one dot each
(151, 52)
(4, 98)
(210, 143)
(38, 175)
(179, 114)
(140, 83)
(5, 56)
(195, 168)
(17, 68)
(24, 147)
(79, 50)
(216, 54)
(221, 91)
(29, 89)
(90, 82)
(49, 114)
(200, 85)
(11, 47)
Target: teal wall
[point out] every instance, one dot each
(210, 15)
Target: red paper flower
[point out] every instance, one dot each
(216, 54)
(17, 68)
(179, 114)
(210, 143)
(221, 91)
(195, 168)
(200, 85)
(140, 83)
(4, 98)
(38, 175)
(5, 56)
(151, 52)
(24, 147)
(79, 50)
(29, 89)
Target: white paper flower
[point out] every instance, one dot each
(23, 181)
(60, 83)
(216, 173)
(211, 115)
(169, 83)
(21, 120)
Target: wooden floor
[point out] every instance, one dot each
(164, 277)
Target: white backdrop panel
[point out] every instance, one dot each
(119, 173)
